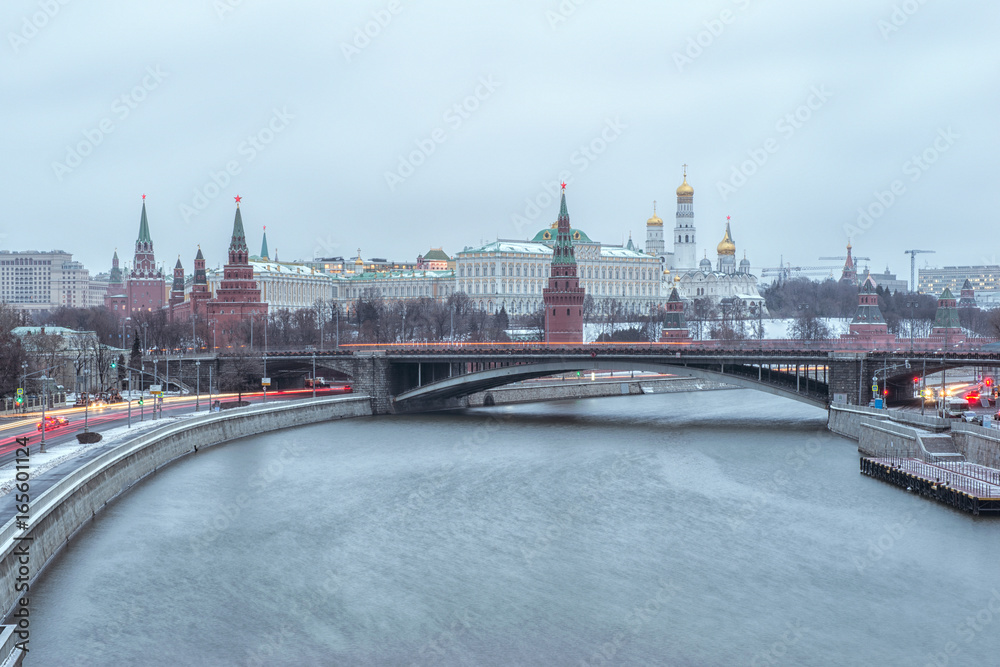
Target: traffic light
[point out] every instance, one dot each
(916, 380)
(140, 401)
(885, 392)
(989, 382)
(114, 364)
(19, 401)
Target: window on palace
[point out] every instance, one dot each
(503, 270)
(493, 270)
(532, 271)
(618, 274)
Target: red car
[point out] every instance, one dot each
(51, 423)
(346, 388)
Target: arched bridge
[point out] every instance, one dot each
(803, 380)
(415, 378)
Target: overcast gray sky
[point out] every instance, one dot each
(790, 115)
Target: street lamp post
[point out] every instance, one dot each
(314, 375)
(156, 378)
(24, 381)
(86, 403)
(265, 357)
(338, 326)
(912, 304)
(197, 396)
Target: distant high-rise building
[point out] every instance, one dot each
(982, 278)
(37, 281)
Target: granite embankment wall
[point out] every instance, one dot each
(530, 393)
(63, 508)
(979, 445)
(900, 433)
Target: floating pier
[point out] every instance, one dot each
(966, 486)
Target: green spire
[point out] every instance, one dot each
(263, 245)
(239, 240)
(563, 213)
(144, 226)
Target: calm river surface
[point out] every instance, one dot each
(716, 528)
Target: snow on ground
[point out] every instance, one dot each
(778, 328)
(59, 454)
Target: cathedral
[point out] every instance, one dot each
(694, 279)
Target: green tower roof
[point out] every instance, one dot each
(239, 240)
(144, 226)
(263, 246)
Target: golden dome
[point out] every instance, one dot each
(685, 190)
(655, 221)
(726, 245)
(359, 261)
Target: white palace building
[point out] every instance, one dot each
(511, 274)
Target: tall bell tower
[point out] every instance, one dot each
(685, 247)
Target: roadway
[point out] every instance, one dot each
(102, 419)
(113, 416)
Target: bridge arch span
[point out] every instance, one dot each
(811, 392)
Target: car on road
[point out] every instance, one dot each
(50, 423)
(970, 416)
(344, 388)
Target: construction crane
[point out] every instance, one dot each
(784, 272)
(913, 267)
(844, 258)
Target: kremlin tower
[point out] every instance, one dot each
(115, 299)
(238, 295)
(563, 297)
(144, 288)
(177, 289)
(850, 272)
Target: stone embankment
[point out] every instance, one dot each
(531, 392)
(62, 509)
(951, 461)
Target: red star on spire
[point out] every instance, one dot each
(727, 217)
(563, 185)
(237, 198)
(144, 197)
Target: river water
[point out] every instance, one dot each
(714, 528)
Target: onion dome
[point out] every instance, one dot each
(685, 190)
(705, 264)
(655, 221)
(726, 245)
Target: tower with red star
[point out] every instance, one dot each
(563, 297)
(238, 297)
(145, 286)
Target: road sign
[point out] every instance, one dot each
(155, 387)
(266, 382)
(875, 388)
(20, 391)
